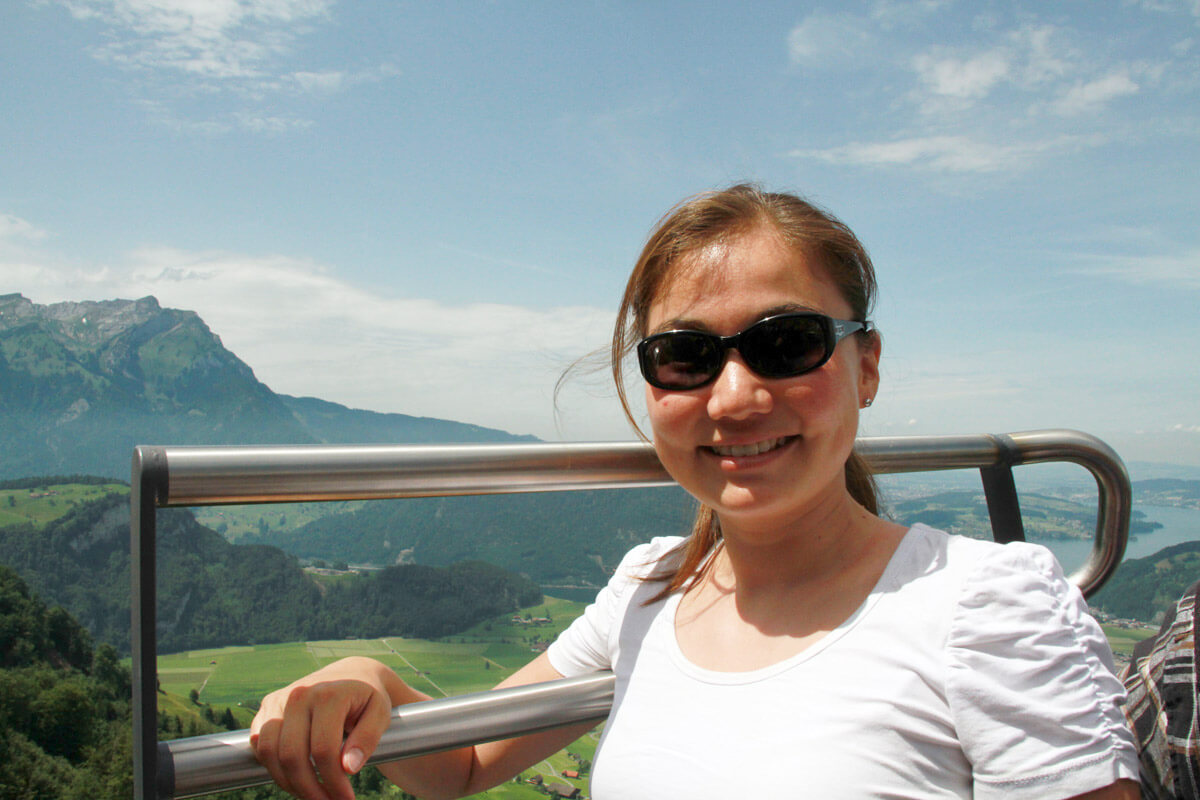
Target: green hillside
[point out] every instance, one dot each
(557, 538)
(214, 593)
(64, 706)
(1144, 588)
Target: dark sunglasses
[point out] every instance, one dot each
(782, 346)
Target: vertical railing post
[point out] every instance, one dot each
(1000, 491)
(149, 475)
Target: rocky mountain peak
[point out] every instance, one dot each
(90, 322)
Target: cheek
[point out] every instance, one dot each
(827, 394)
(671, 413)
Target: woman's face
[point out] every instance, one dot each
(759, 451)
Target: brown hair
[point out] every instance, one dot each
(718, 216)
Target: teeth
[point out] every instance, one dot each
(742, 450)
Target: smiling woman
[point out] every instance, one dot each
(795, 642)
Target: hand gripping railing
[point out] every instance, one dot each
(187, 476)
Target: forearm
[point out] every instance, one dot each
(469, 770)
(440, 775)
(433, 777)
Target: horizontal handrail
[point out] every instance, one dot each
(182, 476)
(298, 473)
(303, 473)
(223, 761)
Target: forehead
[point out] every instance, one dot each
(731, 282)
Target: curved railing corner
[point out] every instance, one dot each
(187, 476)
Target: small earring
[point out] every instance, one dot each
(867, 402)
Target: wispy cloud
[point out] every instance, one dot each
(1095, 94)
(1186, 6)
(235, 53)
(965, 78)
(1002, 98)
(828, 40)
(943, 153)
(204, 38)
(1179, 270)
(16, 228)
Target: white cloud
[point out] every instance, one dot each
(16, 228)
(329, 81)
(968, 78)
(1186, 6)
(953, 79)
(1040, 54)
(268, 123)
(823, 40)
(942, 153)
(205, 38)
(1180, 270)
(890, 13)
(305, 331)
(1094, 95)
(234, 53)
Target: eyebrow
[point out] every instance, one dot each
(688, 324)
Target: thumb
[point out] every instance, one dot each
(364, 737)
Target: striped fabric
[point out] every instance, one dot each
(1162, 709)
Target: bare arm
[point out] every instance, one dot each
(485, 765)
(298, 735)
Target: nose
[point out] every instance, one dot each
(738, 393)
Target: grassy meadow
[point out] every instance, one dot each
(474, 661)
(234, 522)
(45, 504)
(1122, 639)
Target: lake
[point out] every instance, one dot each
(1178, 525)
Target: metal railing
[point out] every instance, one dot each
(188, 476)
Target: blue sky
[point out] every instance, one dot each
(431, 208)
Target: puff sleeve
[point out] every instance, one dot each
(589, 644)
(1030, 682)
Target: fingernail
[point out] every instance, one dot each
(352, 760)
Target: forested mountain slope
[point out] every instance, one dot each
(1143, 588)
(557, 538)
(212, 593)
(82, 383)
(64, 706)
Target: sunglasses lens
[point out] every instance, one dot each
(786, 346)
(680, 359)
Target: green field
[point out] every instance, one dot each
(234, 522)
(1122, 640)
(45, 504)
(238, 677)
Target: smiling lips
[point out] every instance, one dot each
(752, 449)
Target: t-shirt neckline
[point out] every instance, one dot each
(685, 665)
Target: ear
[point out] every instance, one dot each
(869, 350)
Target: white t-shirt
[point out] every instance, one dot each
(971, 670)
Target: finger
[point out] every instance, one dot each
(266, 710)
(364, 736)
(329, 719)
(266, 749)
(297, 774)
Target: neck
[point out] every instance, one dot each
(795, 553)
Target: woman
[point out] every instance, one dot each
(795, 643)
